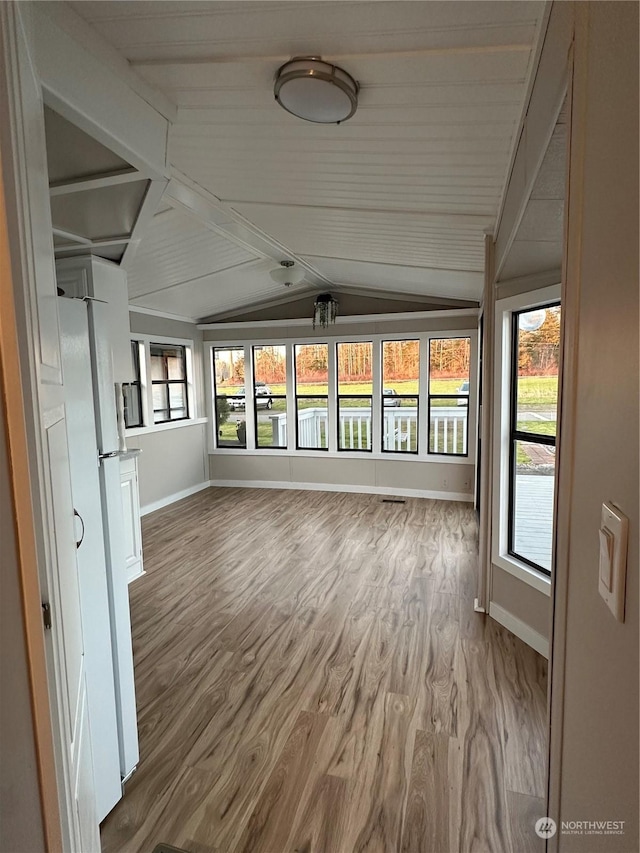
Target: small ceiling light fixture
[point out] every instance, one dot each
(315, 90)
(325, 310)
(287, 273)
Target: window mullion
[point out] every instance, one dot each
(376, 402)
(290, 391)
(332, 401)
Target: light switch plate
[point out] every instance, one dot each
(612, 578)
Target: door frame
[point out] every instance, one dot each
(15, 415)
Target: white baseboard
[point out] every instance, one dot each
(526, 633)
(342, 487)
(170, 499)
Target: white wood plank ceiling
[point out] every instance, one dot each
(396, 199)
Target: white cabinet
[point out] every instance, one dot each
(106, 282)
(131, 514)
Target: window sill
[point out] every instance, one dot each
(145, 430)
(387, 456)
(523, 572)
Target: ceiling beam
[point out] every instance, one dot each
(95, 182)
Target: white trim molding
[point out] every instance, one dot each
(176, 496)
(462, 497)
(526, 633)
(401, 316)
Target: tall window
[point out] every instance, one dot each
(400, 381)
(312, 396)
(532, 447)
(169, 382)
(270, 395)
(132, 391)
(229, 395)
(449, 360)
(355, 394)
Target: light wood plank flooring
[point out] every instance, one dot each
(311, 678)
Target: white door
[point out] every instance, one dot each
(92, 571)
(22, 133)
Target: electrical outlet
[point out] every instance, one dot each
(445, 482)
(467, 484)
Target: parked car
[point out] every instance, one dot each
(463, 389)
(390, 396)
(263, 398)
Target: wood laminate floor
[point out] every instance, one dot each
(311, 678)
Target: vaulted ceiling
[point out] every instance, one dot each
(394, 201)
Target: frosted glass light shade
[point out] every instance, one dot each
(316, 91)
(287, 275)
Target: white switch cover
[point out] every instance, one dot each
(613, 558)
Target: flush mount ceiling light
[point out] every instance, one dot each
(287, 273)
(315, 90)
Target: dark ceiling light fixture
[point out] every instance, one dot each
(325, 310)
(314, 90)
(287, 273)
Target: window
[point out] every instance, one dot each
(354, 362)
(400, 389)
(449, 365)
(312, 396)
(270, 395)
(169, 382)
(535, 349)
(132, 391)
(229, 395)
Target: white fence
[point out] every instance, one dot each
(448, 428)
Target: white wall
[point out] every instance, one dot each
(397, 477)
(595, 722)
(173, 462)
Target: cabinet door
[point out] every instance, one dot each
(131, 513)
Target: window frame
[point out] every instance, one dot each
(278, 336)
(150, 426)
(255, 395)
(168, 382)
(516, 435)
(297, 396)
(136, 362)
(503, 369)
(457, 396)
(339, 396)
(214, 397)
(401, 397)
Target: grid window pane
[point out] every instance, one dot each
(532, 507)
(449, 362)
(538, 353)
(354, 423)
(312, 423)
(400, 425)
(448, 426)
(312, 369)
(355, 368)
(229, 392)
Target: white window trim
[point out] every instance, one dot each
(146, 392)
(500, 556)
(332, 339)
